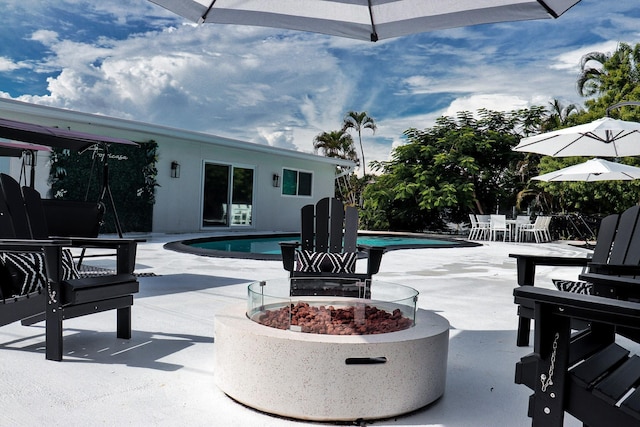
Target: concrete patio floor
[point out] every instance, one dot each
(164, 375)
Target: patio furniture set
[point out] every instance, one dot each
(585, 332)
(39, 277)
(519, 229)
(577, 366)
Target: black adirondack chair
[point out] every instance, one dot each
(589, 374)
(615, 279)
(617, 249)
(327, 250)
(23, 230)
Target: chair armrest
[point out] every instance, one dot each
(586, 307)
(288, 250)
(125, 250)
(526, 265)
(374, 255)
(97, 242)
(617, 287)
(25, 245)
(614, 269)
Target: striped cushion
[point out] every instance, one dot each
(575, 287)
(27, 270)
(326, 262)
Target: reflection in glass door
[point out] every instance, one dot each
(228, 196)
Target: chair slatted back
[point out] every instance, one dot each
(632, 257)
(351, 229)
(323, 216)
(623, 240)
(15, 203)
(307, 230)
(606, 234)
(336, 224)
(6, 224)
(328, 227)
(35, 213)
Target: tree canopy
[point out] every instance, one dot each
(442, 173)
(466, 164)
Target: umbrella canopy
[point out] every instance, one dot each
(593, 170)
(365, 19)
(15, 149)
(54, 137)
(26, 151)
(604, 137)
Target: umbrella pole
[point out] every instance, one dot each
(32, 177)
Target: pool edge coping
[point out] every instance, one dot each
(183, 246)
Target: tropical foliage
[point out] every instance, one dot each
(441, 174)
(607, 79)
(466, 163)
(339, 144)
(359, 121)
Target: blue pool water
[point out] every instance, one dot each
(269, 245)
(266, 246)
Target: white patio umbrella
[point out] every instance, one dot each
(593, 170)
(605, 137)
(365, 19)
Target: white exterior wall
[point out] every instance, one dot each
(178, 207)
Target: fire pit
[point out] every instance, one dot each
(391, 308)
(331, 358)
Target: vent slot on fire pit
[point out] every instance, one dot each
(365, 360)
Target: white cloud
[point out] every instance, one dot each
(6, 64)
(225, 86)
(494, 102)
(571, 60)
(281, 138)
(46, 37)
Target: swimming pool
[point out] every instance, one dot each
(266, 247)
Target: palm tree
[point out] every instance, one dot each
(339, 144)
(610, 78)
(590, 77)
(559, 115)
(336, 143)
(359, 121)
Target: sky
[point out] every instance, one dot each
(134, 60)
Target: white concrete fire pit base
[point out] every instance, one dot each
(330, 377)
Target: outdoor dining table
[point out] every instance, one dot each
(513, 228)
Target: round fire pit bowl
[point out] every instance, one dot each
(357, 371)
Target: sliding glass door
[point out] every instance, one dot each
(228, 195)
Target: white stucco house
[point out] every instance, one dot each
(197, 171)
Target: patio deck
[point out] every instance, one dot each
(164, 375)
